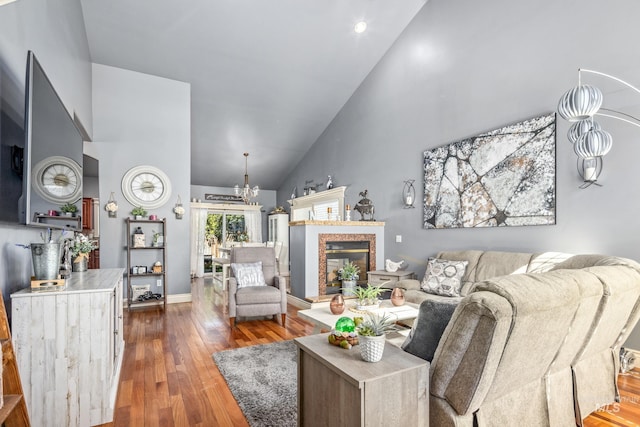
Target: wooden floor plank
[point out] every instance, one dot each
(169, 378)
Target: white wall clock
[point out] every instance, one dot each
(146, 186)
(58, 179)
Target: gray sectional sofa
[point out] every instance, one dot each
(532, 340)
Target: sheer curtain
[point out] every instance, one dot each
(253, 223)
(198, 226)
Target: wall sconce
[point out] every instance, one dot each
(112, 206)
(590, 142)
(178, 209)
(408, 194)
(589, 170)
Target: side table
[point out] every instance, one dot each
(336, 387)
(378, 277)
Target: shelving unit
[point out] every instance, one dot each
(144, 256)
(14, 409)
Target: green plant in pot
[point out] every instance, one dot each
(349, 274)
(371, 335)
(69, 209)
(369, 295)
(138, 212)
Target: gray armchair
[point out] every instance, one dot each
(257, 300)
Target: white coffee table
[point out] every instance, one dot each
(322, 318)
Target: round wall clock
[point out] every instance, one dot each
(58, 179)
(146, 186)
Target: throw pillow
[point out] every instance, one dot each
(443, 277)
(428, 327)
(249, 274)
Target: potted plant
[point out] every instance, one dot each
(138, 212)
(349, 273)
(69, 209)
(371, 335)
(79, 250)
(367, 297)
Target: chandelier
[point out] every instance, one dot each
(246, 193)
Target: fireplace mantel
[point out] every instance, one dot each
(342, 223)
(304, 254)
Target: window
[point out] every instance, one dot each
(225, 226)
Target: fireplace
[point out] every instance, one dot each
(335, 250)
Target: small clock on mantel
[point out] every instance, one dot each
(146, 186)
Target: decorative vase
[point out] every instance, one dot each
(397, 296)
(113, 214)
(80, 264)
(337, 304)
(371, 348)
(347, 287)
(46, 260)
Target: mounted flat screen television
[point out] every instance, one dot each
(52, 176)
(11, 153)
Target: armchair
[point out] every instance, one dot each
(257, 300)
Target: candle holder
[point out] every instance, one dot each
(408, 194)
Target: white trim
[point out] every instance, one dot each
(178, 298)
(226, 207)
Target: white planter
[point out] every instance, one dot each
(371, 348)
(367, 307)
(347, 287)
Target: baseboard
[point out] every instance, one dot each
(298, 302)
(178, 298)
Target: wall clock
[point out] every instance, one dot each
(146, 186)
(58, 179)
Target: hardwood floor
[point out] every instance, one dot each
(169, 378)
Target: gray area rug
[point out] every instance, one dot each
(263, 379)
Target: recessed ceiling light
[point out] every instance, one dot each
(360, 27)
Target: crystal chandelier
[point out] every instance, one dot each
(246, 193)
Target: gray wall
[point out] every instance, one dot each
(143, 120)
(57, 36)
(461, 68)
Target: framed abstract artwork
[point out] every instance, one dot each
(505, 177)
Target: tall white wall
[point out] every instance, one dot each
(463, 67)
(143, 120)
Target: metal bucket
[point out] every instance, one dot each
(46, 260)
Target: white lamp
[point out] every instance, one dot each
(590, 141)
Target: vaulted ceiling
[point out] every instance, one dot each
(267, 76)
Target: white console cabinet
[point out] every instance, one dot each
(69, 346)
